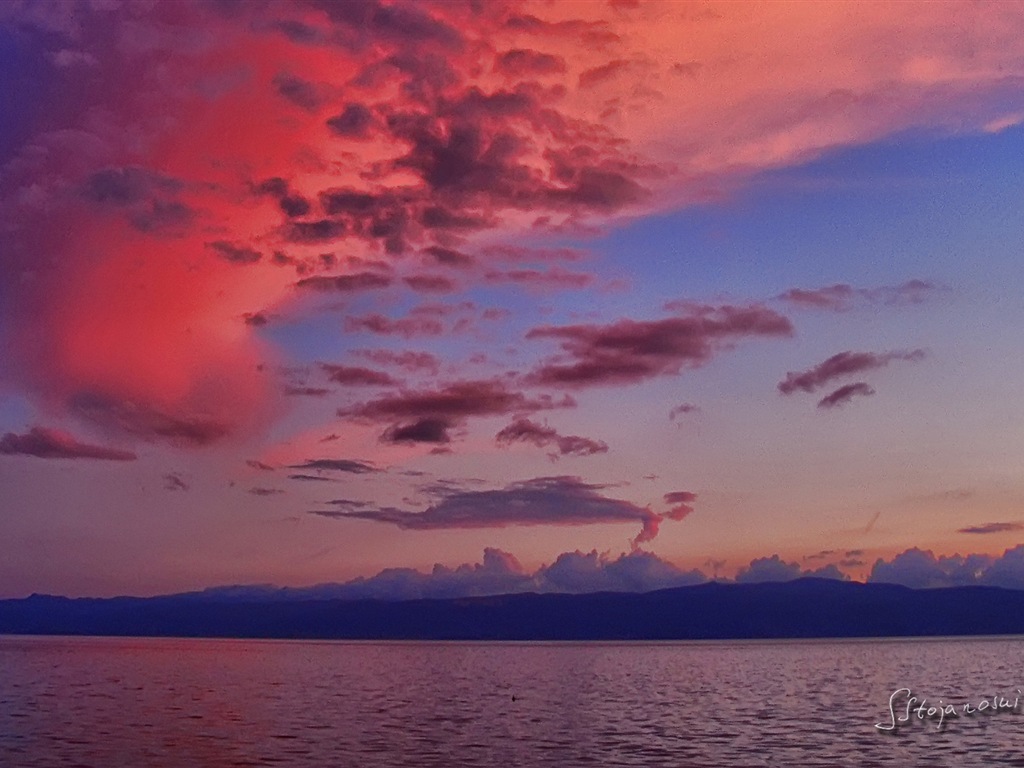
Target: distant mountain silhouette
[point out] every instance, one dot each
(806, 608)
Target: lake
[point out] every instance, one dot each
(164, 702)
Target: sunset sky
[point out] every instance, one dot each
(294, 292)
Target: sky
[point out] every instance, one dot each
(306, 292)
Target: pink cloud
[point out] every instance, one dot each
(385, 129)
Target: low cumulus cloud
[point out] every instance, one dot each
(774, 568)
(922, 569)
(501, 573)
(44, 443)
(562, 500)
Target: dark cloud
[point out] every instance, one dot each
(681, 410)
(298, 91)
(821, 555)
(255, 319)
(629, 351)
(475, 153)
(368, 22)
(162, 217)
(430, 283)
(337, 465)
(440, 217)
(448, 256)
(147, 198)
(359, 281)
(457, 401)
(45, 443)
(173, 481)
(992, 528)
(842, 364)
(311, 232)
(842, 296)
(348, 503)
(300, 391)
(236, 254)
(593, 34)
(312, 478)
(521, 61)
(524, 430)
(294, 205)
(597, 75)
(429, 429)
(356, 376)
(406, 360)
(354, 122)
(183, 429)
(537, 278)
(291, 203)
(845, 394)
(265, 491)
(541, 501)
(254, 464)
(407, 327)
(126, 186)
(519, 253)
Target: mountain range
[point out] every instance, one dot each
(804, 608)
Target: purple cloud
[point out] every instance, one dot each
(524, 430)
(542, 501)
(845, 394)
(628, 351)
(843, 364)
(46, 443)
(354, 376)
(842, 296)
(992, 528)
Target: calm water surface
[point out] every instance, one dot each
(157, 702)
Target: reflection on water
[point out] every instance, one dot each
(128, 702)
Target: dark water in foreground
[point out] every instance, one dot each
(131, 702)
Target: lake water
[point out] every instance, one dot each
(158, 702)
